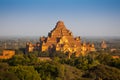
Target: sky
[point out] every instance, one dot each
(38, 17)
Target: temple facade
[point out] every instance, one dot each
(62, 39)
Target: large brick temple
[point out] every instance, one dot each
(61, 39)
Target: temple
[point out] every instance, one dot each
(62, 39)
(103, 45)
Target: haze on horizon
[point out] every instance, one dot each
(38, 17)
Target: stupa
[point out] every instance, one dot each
(103, 45)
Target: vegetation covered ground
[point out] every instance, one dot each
(93, 66)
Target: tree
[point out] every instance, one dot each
(115, 63)
(25, 72)
(23, 59)
(103, 72)
(104, 58)
(5, 74)
(17, 60)
(47, 70)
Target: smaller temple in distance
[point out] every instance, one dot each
(7, 54)
(103, 45)
(61, 39)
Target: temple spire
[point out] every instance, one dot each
(60, 24)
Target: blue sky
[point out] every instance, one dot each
(38, 17)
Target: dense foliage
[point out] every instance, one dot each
(94, 66)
